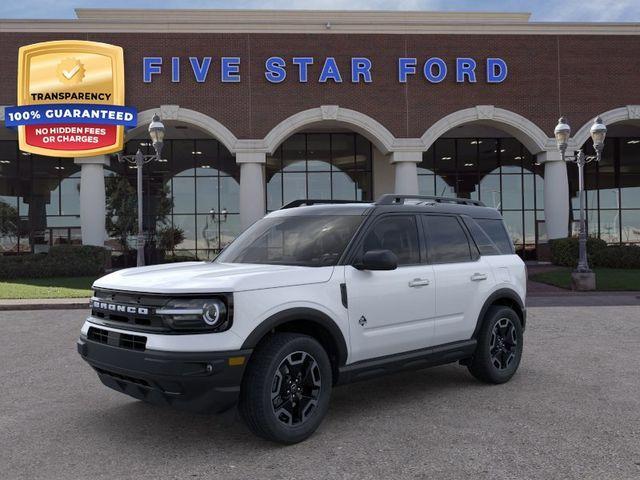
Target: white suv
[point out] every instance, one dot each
(313, 295)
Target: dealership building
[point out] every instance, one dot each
(265, 107)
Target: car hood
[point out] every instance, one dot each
(206, 277)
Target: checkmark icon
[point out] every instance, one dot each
(68, 74)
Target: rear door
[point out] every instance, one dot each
(463, 278)
(391, 311)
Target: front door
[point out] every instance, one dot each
(391, 311)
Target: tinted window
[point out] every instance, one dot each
(447, 242)
(310, 241)
(486, 246)
(398, 234)
(496, 231)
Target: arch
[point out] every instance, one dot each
(527, 132)
(186, 115)
(373, 130)
(616, 115)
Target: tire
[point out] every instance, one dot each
(286, 388)
(500, 344)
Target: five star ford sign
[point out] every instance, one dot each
(71, 99)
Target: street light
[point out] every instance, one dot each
(598, 133)
(156, 132)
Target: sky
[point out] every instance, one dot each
(542, 10)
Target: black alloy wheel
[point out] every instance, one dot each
(499, 348)
(296, 388)
(286, 388)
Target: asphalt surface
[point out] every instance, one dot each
(572, 411)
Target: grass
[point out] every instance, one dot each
(72, 287)
(607, 279)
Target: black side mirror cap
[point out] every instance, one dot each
(378, 260)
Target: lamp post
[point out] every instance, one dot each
(583, 278)
(156, 133)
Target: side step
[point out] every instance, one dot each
(414, 360)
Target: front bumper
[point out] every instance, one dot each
(193, 381)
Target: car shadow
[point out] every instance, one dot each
(131, 420)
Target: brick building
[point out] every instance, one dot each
(263, 107)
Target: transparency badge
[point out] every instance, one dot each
(70, 99)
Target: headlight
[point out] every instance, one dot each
(196, 314)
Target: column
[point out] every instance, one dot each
(92, 199)
(406, 166)
(556, 194)
(252, 187)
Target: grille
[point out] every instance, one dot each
(139, 309)
(116, 339)
(126, 378)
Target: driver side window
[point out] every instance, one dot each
(397, 233)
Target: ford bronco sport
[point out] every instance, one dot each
(316, 294)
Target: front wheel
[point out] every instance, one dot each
(286, 388)
(499, 349)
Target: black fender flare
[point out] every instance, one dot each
(502, 293)
(304, 314)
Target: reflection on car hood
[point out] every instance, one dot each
(203, 277)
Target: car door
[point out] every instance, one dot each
(391, 311)
(463, 278)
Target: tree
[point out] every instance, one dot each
(122, 209)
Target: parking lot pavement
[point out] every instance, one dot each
(572, 411)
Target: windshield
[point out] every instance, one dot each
(304, 240)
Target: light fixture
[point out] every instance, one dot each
(562, 133)
(598, 133)
(502, 150)
(5, 161)
(156, 132)
(517, 158)
(632, 142)
(196, 152)
(468, 164)
(58, 168)
(476, 142)
(205, 166)
(446, 158)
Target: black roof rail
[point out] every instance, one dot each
(391, 199)
(301, 202)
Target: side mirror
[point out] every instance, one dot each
(378, 260)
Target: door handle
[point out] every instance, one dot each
(476, 277)
(419, 282)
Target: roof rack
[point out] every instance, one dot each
(301, 202)
(391, 199)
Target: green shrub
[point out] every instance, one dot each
(61, 261)
(564, 251)
(618, 256)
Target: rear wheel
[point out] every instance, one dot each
(499, 349)
(286, 388)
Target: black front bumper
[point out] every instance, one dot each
(193, 381)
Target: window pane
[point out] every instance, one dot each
(447, 241)
(426, 185)
(490, 191)
(229, 195)
(318, 152)
(70, 193)
(293, 153)
(445, 161)
(294, 186)
(319, 185)
(206, 195)
(426, 166)
(398, 234)
(631, 226)
(363, 153)
(488, 156)
(496, 231)
(343, 151)
(188, 225)
(511, 192)
(274, 192)
(511, 155)
(364, 190)
(344, 187)
(467, 154)
(513, 221)
(183, 157)
(630, 191)
(183, 195)
(610, 226)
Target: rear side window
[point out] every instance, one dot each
(397, 233)
(446, 240)
(485, 245)
(494, 228)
